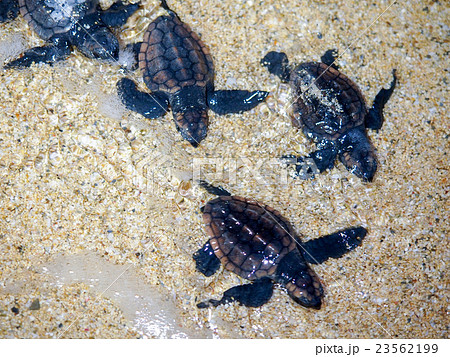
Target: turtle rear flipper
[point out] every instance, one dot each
(118, 13)
(151, 106)
(235, 101)
(251, 295)
(334, 245)
(375, 118)
(277, 63)
(9, 10)
(58, 48)
(329, 58)
(205, 260)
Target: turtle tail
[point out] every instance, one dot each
(169, 10)
(165, 6)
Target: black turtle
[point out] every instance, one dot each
(63, 24)
(331, 110)
(178, 70)
(257, 243)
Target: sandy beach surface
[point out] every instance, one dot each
(100, 211)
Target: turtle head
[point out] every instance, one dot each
(300, 281)
(100, 44)
(358, 155)
(305, 289)
(190, 113)
(192, 123)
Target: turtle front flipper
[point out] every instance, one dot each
(375, 118)
(58, 48)
(151, 106)
(316, 162)
(251, 295)
(118, 13)
(9, 9)
(277, 63)
(334, 245)
(235, 101)
(206, 261)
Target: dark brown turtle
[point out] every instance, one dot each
(332, 111)
(257, 243)
(178, 70)
(63, 24)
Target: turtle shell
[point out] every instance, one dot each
(327, 103)
(248, 237)
(50, 17)
(172, 56)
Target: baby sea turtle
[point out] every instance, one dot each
(331, 110)
(178, 70)
(257, 243)
(63, 24)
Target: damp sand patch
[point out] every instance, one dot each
(151, 312)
